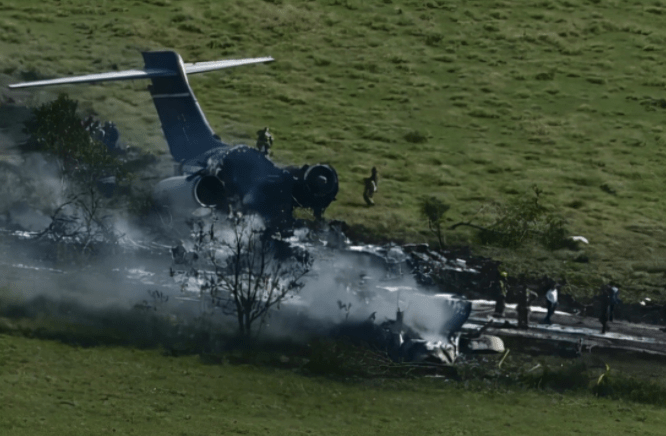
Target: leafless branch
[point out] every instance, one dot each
(249, 281)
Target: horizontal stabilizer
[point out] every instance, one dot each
(202, 67)
(102, 77)
(149, 73)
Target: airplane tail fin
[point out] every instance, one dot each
(185, 127)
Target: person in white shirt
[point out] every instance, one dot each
(551, 303)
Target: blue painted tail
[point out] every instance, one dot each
(185, 127)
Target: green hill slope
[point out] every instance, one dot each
(471, 101)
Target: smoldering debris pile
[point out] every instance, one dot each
(366, 293)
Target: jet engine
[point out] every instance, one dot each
(243, 179)
(315, 187)
(190, 192)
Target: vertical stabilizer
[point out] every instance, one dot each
(185, 127)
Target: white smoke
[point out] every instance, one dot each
(343, 285)
(30, 187)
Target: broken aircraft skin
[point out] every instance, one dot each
(215, 174)
(440, 344)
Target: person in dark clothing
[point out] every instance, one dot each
(614, 300)
(111, 135)
(605, 305)
(500, 293)
(609, 299)
(370, 187)
(525, 298)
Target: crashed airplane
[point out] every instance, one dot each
(215, 174)
(218, 175)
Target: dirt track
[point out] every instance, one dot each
(568, 330)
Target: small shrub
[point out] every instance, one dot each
(188, 27)
(446, 58)
(608, 189)
(433, 38)
(179, 18)
(482, 113)
(576, 204)
(522, 219)
(571, 377)
(596, 80)
(545, 76)
(342, 358)
(141, 203)
(554, 235)
(56, 128)
(415, 137)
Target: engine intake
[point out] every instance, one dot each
(185, 193)
(315, 187)
(209, 191)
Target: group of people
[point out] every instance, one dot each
(524, 296)
(608, 297)
(107, 133)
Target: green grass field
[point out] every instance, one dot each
(470, 101)
(52, 388)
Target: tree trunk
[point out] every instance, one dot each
(241, 324)
(248, 325)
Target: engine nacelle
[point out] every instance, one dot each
(315, 187)
(244, 179)
(186, 193)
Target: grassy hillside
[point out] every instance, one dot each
(471, 101)
(52, 388)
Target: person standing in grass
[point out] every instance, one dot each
(264, 141)
(370, 187)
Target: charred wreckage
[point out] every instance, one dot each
(385, 302)
(441, 343)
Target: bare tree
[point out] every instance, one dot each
(433, 210)
(80, 220)
(253, 272)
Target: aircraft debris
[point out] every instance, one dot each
(582, 239)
